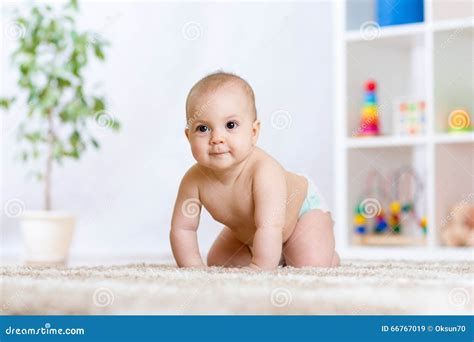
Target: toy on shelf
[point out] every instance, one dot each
(381, 224)
(360, 223)
(459, 121)
(369, 120)
(408, 186)
(398, 12)
(394, 220)
(459, 231)
(410, 118)
(369, 207)
(373, 227)
(424, 224)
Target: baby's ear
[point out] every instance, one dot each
(186, 132)
(255, 131)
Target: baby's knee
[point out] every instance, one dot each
(325, 219)
(213, 259)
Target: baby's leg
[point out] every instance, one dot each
(312, 242)
(227, 251)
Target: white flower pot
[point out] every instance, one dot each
(47, 237)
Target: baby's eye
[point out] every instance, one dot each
(231, 124)
(202, 128)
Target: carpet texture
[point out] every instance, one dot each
(356, 287)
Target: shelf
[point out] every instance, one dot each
(454, 138)
(387, 32)
(453, 24)
(384, 240)
(454, 165)
(430, 61)
(408, 29)
(385, 141)
(394, 141)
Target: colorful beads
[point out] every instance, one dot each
(394, 219)
(381, 224)
(424, 224)
(359, 220)
(370, 85)
(407, 207)
(395, 207)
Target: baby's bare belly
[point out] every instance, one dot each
(244, 229)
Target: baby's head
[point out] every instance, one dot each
(222, 125)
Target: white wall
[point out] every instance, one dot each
(124, 193)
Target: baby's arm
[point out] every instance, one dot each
(184, 224)
(269, 191)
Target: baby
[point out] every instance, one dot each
(271, 216)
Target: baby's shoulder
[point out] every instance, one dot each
(192, 176)
(265, 164)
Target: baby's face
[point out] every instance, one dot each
(221, 128)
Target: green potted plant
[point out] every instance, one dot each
(59, 115)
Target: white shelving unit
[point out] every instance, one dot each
(433, 61)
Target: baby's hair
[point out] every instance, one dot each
(211, 83)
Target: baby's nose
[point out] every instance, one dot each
(217, 139)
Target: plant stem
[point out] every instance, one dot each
(49, 164)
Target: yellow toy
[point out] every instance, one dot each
(459, 121)
(395, 207)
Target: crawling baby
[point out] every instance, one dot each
(271, 216)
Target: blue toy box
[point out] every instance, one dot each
(396, 12)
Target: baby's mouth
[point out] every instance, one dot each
(218, 153)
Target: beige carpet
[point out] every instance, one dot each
(356, 287)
